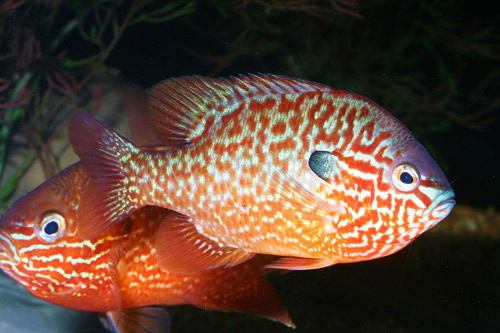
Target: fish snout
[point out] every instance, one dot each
(441, 206)
(444, 208)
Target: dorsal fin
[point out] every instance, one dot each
(180, 106)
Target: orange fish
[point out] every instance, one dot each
(116, 273)
(264, 164)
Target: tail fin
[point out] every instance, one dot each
(243, 289)
(106, 200)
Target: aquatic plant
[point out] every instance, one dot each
(432, 63)
(43, 80)
(411, 57)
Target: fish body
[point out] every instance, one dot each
(117, 272)
(265, 164)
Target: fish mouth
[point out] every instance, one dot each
(442, 205)
(444, 208)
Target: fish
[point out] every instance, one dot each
(116, 274)
(264, 164)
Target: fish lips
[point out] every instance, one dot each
(441, 206)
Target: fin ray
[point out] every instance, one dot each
(292, 263)
(179, 105)
(295, 199)
(113, 257)
(105, 200)
(183, 250)
(246, 292)
(140, 320)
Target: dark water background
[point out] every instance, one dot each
(432, 63)
(465, 143)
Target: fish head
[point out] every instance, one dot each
(40, 247)
(388, 185)
(421, 194)
(38, 219)
(398, 196)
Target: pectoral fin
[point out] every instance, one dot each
(181, 249)
(147, 319)
(113, 258)
(299, 204)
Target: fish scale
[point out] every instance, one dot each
(118, 271)
(241, 174)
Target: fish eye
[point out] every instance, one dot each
(405, 177)
(50, 227)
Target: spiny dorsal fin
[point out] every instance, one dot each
(179, 105)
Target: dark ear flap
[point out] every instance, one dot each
(323, 164)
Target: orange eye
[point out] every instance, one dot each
(405, 177)
(50, 227)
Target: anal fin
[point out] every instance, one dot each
(144, 320)
(242, 289)
(259, 300)
(181, 249)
